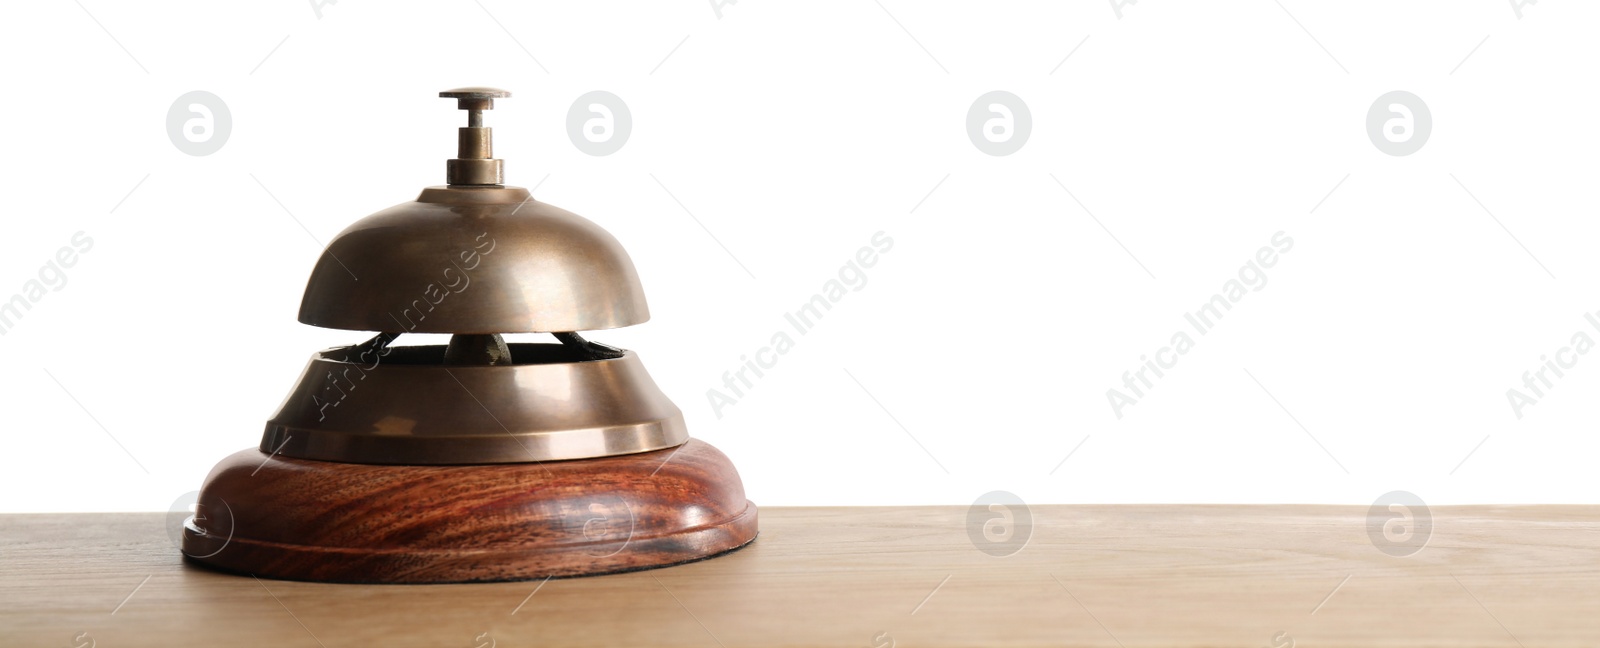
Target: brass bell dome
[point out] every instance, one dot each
(474, 257)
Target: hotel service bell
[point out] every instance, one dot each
(478, 460)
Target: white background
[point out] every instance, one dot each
(793, 132)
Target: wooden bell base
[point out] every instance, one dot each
(358, 523)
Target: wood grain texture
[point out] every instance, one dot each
(297, 519)
(1108, 576)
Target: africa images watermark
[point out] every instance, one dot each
(852, 278)
(456, 279)
(1252, 278)
(53, 275)
(1537, 381)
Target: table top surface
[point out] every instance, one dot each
(1113, 575)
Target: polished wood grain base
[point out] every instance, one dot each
(356, 523)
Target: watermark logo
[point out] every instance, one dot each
(717, 5)
(1398, 123)
(605, 522)
(999, 523)
(999, 123)
(209, 522)
(1399, 523)
(198, 123)
(317, 6)
(598, 123)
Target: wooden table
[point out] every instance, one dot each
(1126, 576)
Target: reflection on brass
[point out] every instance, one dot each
(474, 260)
(409, 407)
